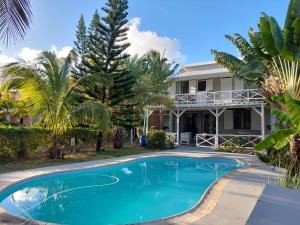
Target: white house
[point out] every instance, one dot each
(212, 108)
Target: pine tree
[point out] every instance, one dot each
(112, 83)
(81, 38)
(114, 32)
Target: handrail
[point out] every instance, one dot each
(220, 97)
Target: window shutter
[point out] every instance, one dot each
(209, 85)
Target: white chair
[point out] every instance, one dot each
(185, 138)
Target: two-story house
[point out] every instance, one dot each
(212, 108)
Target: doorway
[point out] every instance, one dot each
(209, 123)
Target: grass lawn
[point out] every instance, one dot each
(70, 158)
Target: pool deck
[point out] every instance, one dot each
(229, 202)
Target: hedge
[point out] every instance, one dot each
(156, 139)
(23, 142)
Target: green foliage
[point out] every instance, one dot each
(83, 137)
(156, 139)
(81, 37)
(49, 87)
(270, 41)
(15, 19)
(112, 84)
(27, 142)
(152, 72)
(283, 135)
(19, 142)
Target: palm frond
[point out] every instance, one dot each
(243, 46)
(288, 72)
(232, 63)
(15, 19)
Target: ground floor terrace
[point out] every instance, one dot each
(213, 126)
(240, 189)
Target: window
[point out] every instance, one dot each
(182, 87)
(202, 85)
(242, 119)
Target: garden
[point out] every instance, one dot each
(89, 103)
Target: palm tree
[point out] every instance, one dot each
(48, 85)
(289, 131)
(270, 41)
(15, 19)
(151, 72)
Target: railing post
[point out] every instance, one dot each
(262, 121)
(217, 128)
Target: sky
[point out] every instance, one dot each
(184, 30)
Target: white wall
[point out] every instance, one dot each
(193, 87)
(226, 84)
(172, 89)
(238, 84)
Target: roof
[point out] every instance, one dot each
(200, 64)
(201, 74)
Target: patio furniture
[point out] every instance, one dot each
(185, 138)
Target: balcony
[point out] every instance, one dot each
(219, 98)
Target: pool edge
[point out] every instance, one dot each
(7, 216)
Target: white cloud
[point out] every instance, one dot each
(29, 54)
(61, 53)
(4, 59)
(143, 41)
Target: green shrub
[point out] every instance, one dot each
(156, 139)
(83, 137)
(19, 142)
(23, 142)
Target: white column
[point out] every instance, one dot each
(147, 121)
(217, 128)
(263, 132)
(178, 115)
(144, 125)
(177, 125)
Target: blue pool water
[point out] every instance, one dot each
(136, 191)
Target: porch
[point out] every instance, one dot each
(213, 119)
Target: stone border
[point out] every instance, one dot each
(204, 206)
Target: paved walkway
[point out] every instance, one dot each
(230, 202)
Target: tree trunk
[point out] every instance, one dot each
(99, 141)
(117, 142)
(54, 149)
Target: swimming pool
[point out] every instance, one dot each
(132, 192)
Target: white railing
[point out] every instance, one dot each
(234, 140)
(207, 98)
(173, 137)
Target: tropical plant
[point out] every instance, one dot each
(10, 105)
(48, 85)
(255, 64)
(15, 19)
(152, 72)
(288, 131)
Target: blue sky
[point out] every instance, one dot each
(186, 29)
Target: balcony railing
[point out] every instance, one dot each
(232, 97)
(232, 140)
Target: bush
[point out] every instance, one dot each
(24, 142)
(83, 137)
(19, 142)
(156, 139)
